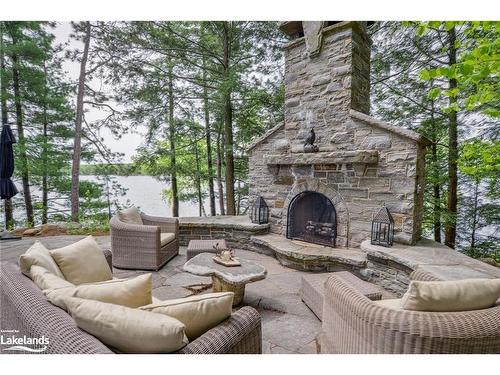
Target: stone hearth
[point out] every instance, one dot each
(360, 163)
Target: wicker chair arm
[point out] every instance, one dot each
(109, 258)
(354, 324)
(117, 225)
(166, 224)
(239, 334)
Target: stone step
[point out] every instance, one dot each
(309, 257)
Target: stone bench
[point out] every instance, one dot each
(313, 289)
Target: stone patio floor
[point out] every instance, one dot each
(288, 326)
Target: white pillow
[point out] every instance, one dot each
(45, 279)
(459, 295)
(198, 313)
(128, 330)
(82, 262)
(38, 255)
(133, 292)
(130, 215)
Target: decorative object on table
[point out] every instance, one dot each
(7, 187)
(260, 212)
(225, 257)
(383, 228)
(226, 279)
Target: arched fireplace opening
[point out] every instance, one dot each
(312, 218)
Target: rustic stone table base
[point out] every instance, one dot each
(220, 285)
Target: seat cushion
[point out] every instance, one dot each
(393, 303)
(457, 295)
(128, 330)
(198, 313)
(166, 238)
(133, 292)
(82, 262)
(38, 255)
(47, 280)
(130, 215)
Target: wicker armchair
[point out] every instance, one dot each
(354, 324)
(140, 246)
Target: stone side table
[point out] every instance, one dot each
(226, 279)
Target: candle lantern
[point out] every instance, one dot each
(260, 212)
(382, 228)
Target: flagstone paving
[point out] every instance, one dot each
(288, 326)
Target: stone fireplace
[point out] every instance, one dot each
(330, 166)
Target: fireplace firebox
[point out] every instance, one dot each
(312, 218)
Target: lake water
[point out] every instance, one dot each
(146, 192)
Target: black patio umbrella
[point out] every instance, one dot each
(7, 187)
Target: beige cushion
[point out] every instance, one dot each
(394, 303)
(130, 215)
(47, 280)
(38, 255)
(198, 313)
(128, 330)
(166, 238)
(133, 292)
(82, 262)
(459, 295)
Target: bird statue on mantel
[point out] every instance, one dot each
(309, 145)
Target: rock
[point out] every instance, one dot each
(490, 261)
(31, 232)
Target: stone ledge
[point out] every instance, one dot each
(241, 222)
(333, 157)
(308, 257)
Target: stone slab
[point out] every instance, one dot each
(241, 222)
(325, 157)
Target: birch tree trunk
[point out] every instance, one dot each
(220, 186)
(211, 193)
(77, 145)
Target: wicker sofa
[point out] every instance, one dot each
(24, 308)
(354, 324)
(137, 246)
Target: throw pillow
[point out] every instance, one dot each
(47, 280)
(459, 295)
(128, 330)
(198, 313)
(82, 262)
(133, 292)
(38, 255)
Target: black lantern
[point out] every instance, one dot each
(260, 212)
(383, 228)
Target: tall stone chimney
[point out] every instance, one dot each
(327, 73)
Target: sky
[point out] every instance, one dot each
(128, 142)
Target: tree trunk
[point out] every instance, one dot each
(23, 156)
(171, 132)
(474, 216)
(436, 177)
(9, 217)
(451, 226)
(198, 180)
(211, 193)
(77, 145)
(45, 191)
(220, 187)
(228, 123)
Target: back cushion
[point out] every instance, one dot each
(128, 330)
(130, 215)
(459, 295)
(82, 262)
(38, 255)
(132, 292)
(198, 313)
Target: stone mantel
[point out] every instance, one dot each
(329, 157)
